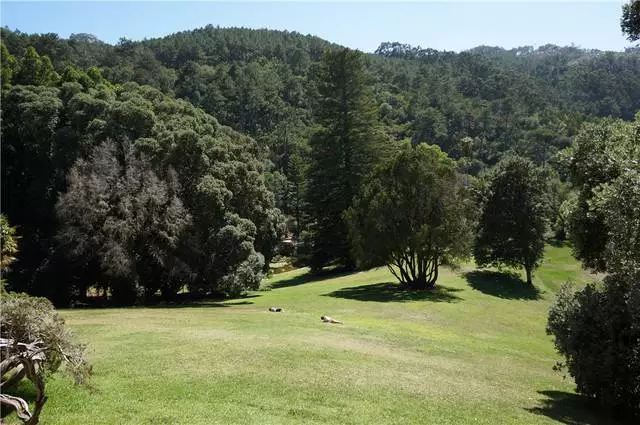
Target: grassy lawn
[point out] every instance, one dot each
(475, 351)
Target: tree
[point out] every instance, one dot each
(630, 21)
(600, 155)
(119, 217)
(414, 214)
(344, 150)
(514, 216)
(36, 70)
(597, 329)
(9, 66)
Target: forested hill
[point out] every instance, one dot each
(261, 81)
(62, 99)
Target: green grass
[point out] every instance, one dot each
(473, 352)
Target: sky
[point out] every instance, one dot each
(363, 25)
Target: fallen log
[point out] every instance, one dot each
(23, 360)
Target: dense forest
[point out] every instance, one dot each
(139, 167)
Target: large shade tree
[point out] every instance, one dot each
(514, 216)
(414, 214)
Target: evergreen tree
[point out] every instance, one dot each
(344, 150)
(513, 220)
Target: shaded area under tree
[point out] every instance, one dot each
(574, 409)
(506, 285)
(311, 277)
(393, 292)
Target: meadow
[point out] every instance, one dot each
(474, 351)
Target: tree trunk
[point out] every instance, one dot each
(528, 270)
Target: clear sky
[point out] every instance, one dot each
(362, 25)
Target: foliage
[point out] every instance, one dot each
(118, 217)
(630, 21)
(603, 153)
(265, 84)
(8, 243)
(596, 330)
(414, 214)
(172, 181)
(344, 150)
(514, 216)
(28, 319)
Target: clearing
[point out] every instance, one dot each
(475, 351)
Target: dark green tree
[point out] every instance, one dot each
(630, 21)
(514, 216)
(597, 328)
(414, 214)
(36, 70)
(9, 66)
(601, 153)
(344, 150)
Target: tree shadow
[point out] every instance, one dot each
(310, 277)
(574, 409)
(393, 292)
(502, 285)
(205, 303)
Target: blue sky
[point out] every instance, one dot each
(362, 25)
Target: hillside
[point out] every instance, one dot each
(480, 104)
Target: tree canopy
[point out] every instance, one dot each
(414, 214)
(514, 216)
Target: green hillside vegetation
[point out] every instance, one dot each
(264, 84)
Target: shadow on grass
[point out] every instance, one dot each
(390, 292)
(574, 409)
(502, 285)
(310, 277)
(204, 303)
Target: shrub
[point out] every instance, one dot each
(27, 319)
(597, 330)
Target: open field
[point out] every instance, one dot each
(475, 351)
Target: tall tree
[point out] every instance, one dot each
(344, 150)
(601, 153)
(514, 216)
(414, 215)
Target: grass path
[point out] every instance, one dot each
(473, 352)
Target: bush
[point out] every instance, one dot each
(597, 330)
(28, 319)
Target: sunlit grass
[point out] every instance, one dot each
(471, 352)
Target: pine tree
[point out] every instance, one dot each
(344, 150)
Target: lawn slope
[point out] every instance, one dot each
(473, 352)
